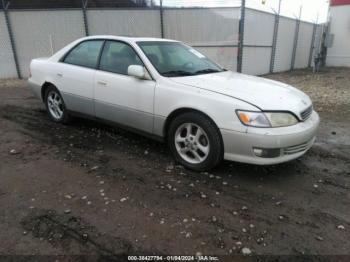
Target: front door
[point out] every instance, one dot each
(119, 97)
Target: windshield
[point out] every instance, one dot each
(173, 59)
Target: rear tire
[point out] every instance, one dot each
(195, 141)
(55, 106)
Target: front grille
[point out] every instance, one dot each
(296, 149)
(306, 113)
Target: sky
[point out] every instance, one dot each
(291, 8)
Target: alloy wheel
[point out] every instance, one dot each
(192, 143)
(55, 105)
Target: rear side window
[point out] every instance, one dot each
(85, 54)
(117, 57)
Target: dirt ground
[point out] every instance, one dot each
(87, 188)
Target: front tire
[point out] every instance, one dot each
(195, 141)
(55, 106)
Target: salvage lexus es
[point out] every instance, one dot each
(169, 90)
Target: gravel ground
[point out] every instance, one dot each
(87, 188)
(329, 88)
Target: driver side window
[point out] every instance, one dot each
(117, 57)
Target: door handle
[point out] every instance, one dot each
(59, 74)
(102, 83)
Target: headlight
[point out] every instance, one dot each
(266, 119)
(281, 119)
(257, 119)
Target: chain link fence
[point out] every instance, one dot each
(238, 38)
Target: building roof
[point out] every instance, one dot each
(339, 2)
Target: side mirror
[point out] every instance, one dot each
(137, 71)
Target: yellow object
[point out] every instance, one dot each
(244, 118)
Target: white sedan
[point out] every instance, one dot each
(168, 90)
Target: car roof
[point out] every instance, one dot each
(129, 38)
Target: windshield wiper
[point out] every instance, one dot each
(207, 71)
(177, 73)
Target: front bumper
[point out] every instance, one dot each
(292, 142)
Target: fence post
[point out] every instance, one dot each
(296, 36)
(274, 43)
(241, 38)
(5, 6)
(86, 26)
(312, 44)
(274, 38)
(161, 19)
(296, 33)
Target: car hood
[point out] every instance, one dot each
(264, 93)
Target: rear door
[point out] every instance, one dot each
(75, 76)
(119, 97)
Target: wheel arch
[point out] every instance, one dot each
(180, 111)
(44, 87)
